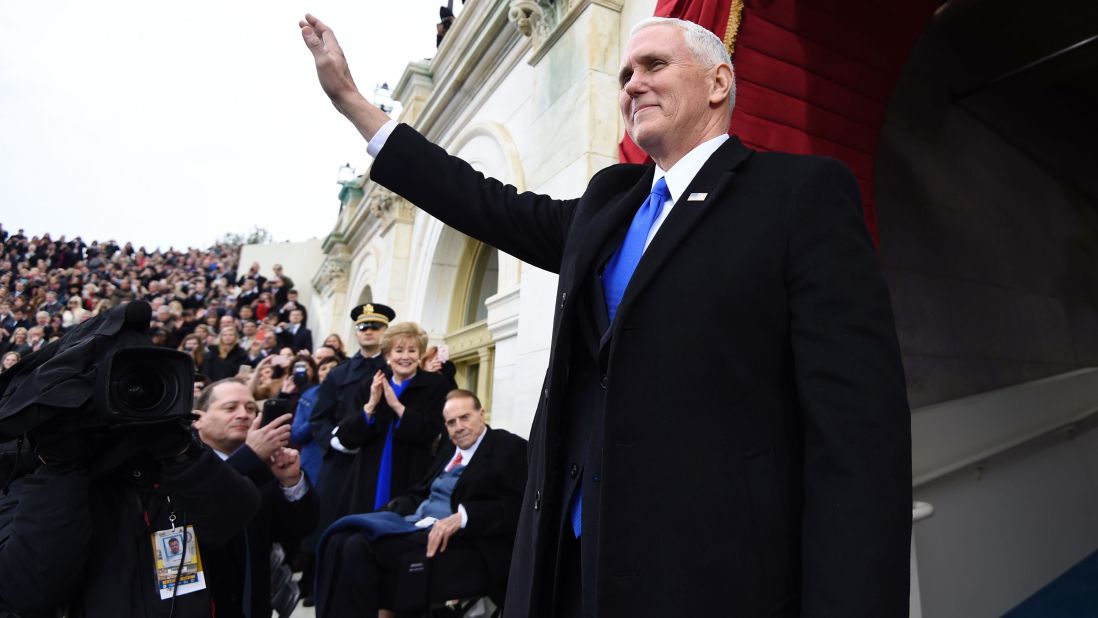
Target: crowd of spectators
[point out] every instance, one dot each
(228, 319)
(242, 328)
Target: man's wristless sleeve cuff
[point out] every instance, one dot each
(379, 139)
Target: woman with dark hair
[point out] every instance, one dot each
(195, 347)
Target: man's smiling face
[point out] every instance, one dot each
(664, 92)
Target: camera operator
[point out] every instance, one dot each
(116, 475)
(79, 539)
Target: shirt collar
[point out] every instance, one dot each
(467, 453)
(681, 174)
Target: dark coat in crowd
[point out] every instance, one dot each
(277, 521)
(217, 368)
(336, 402)
(413, 440)
(86, 544)
(301, 340)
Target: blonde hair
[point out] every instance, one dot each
(403, 331)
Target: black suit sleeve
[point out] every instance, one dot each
(526, 225)
(851, 387)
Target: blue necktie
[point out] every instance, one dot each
(614, 280)
(622, 264)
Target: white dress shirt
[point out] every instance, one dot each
(466, 457)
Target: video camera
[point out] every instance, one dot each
(102, 378)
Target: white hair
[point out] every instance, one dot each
(708, 49)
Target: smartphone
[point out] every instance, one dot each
(274, 408)
(244, 371)
(443, 353)
(301, 374)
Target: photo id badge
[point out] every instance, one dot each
(173, 548)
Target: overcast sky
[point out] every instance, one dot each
(171, 123)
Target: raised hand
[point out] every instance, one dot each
(335, 78)
(331, 64)
(265, 441)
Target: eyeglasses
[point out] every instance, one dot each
(370, 326)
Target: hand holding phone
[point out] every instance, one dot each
(274, 408)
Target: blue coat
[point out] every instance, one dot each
(302, 435)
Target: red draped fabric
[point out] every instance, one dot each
(812, 76)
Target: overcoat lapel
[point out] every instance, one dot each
(713, 179)
(597, 244)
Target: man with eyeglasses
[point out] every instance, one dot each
(336, 401)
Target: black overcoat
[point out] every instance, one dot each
(414, 440)
(765, 467)
(335, 402)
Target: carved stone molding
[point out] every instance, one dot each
(527, 15)
(332, 275)
(545, 20)
(389, 208)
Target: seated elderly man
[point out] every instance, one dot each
(229, 422)
(459, 521)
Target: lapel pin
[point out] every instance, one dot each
(697, 197)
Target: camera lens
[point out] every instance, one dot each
(140, 390)
(144, 383)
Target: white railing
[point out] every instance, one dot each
(919, 512)
(951, 436)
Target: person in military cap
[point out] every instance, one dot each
(336, 402)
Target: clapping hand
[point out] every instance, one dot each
(376, 392)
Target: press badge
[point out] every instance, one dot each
(172, 548)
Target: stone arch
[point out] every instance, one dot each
(488, 147)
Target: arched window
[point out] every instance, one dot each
(483, 282)
(471, 347)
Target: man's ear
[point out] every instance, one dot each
(722, 84)
(197, 422)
